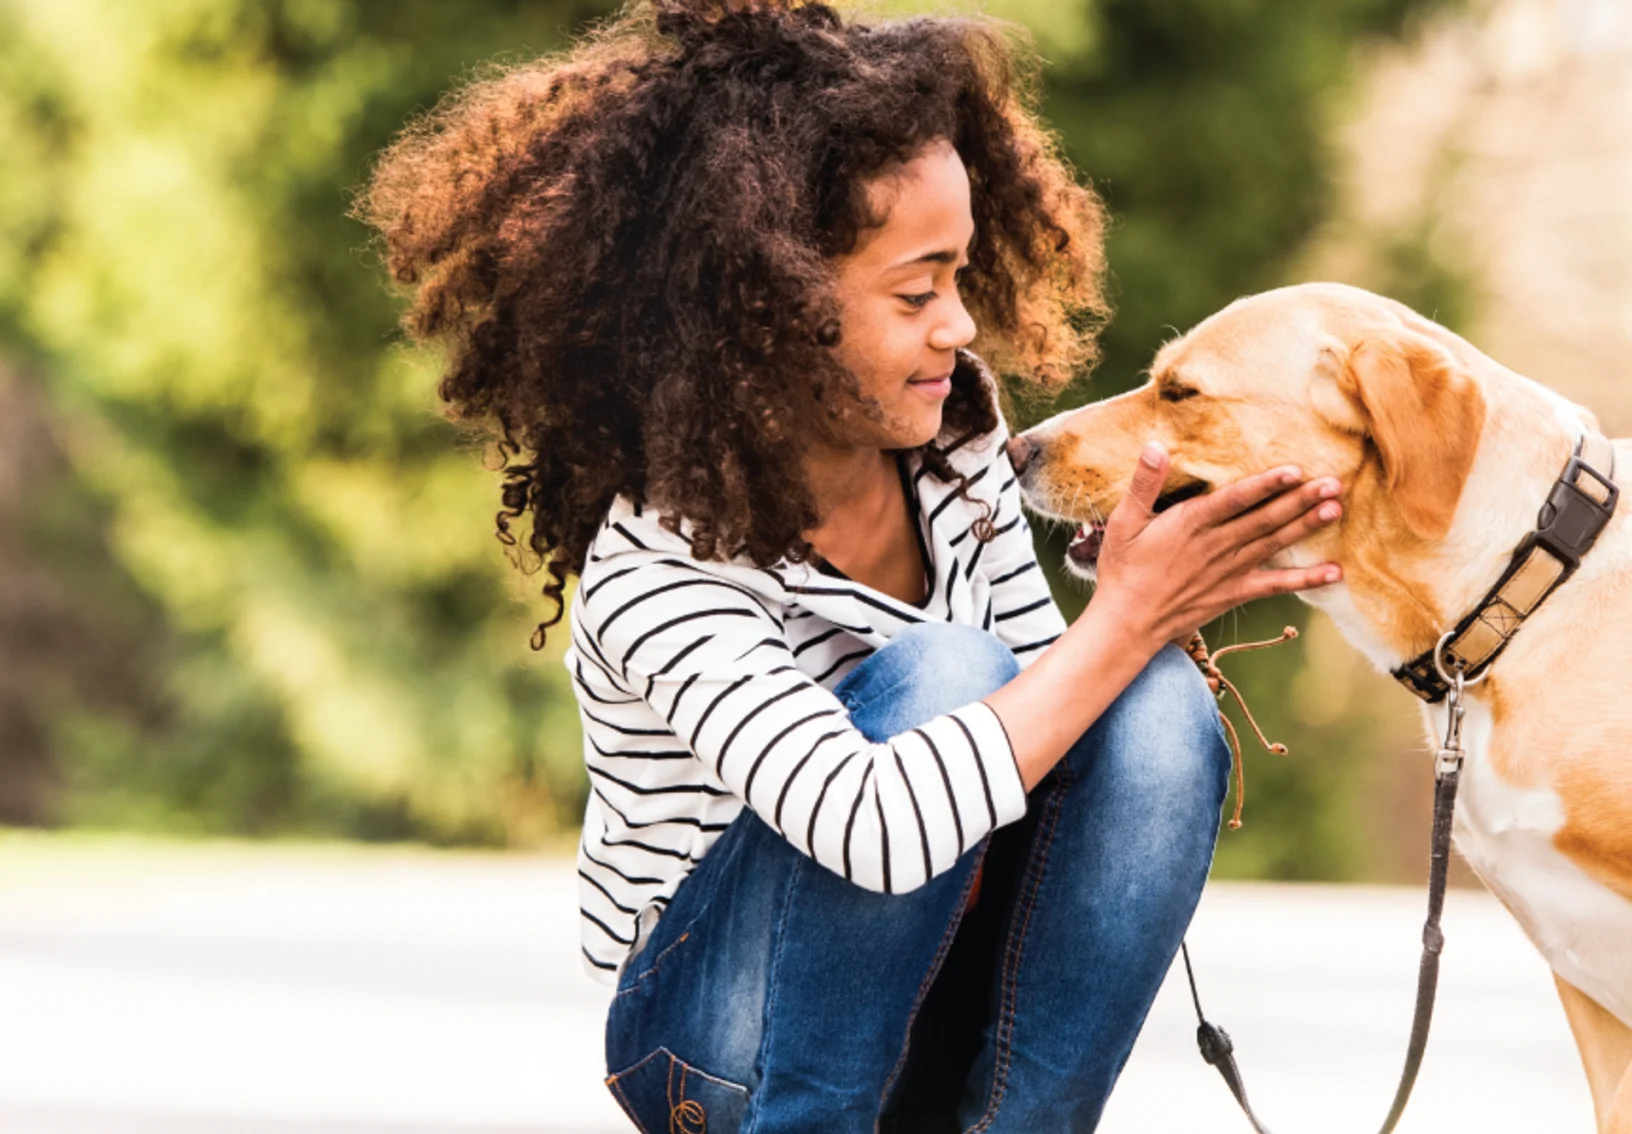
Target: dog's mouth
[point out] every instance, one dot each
(1083, 550)
(1180, 494)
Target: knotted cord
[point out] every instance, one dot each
(1219, 684)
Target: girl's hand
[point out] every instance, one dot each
(1166, 576)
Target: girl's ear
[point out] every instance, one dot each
(1423, 413)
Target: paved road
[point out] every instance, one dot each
(269, 991)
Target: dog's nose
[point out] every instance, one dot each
(1020, 453)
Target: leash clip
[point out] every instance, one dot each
(1449, 759)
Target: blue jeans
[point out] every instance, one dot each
(775, 996)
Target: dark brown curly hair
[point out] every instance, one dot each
(627, 251)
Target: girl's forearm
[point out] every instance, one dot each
(1054, 700)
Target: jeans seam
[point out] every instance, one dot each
(656, 962)
(1014, 948)
(696, 916)
(855, 705)
(934, 970)
(623, 1101)
(751, 1116)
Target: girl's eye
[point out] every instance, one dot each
(918, 302)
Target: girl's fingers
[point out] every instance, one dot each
(1221, 506)
(1148, 477)
(1288, 580)
(1300, 526)
(1280, 511)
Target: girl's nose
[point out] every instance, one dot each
(956, 330)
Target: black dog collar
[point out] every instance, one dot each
(1578, 508)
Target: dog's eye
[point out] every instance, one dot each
(1177, 393)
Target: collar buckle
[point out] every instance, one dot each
(1570, 521)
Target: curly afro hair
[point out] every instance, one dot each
(627, 252)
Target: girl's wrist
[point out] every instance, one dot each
(1110, 616)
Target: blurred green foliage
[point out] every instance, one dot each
(344, 645)
(347, 653)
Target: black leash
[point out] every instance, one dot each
(1214, 1041)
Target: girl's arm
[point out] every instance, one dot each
(712, 666)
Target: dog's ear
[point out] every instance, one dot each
(1423, 412)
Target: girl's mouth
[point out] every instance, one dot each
(933, 387)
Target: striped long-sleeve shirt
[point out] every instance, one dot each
(705, 687)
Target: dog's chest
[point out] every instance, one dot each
(1506, 833)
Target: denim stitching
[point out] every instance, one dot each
(623, 1101)
(681, 1109)
(1031, 886)
(696, 917)
(656, 961)
(751, 1117)
(929, 979)
(855, 706)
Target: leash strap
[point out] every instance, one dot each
(1214, 1041)
(1578, 508)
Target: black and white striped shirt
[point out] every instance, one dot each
(704, 686)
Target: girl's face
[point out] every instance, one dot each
(901, 317)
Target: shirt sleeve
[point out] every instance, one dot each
(712, 661)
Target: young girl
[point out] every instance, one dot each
(873, 840)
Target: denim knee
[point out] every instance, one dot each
(926, 670)
(1166, 722)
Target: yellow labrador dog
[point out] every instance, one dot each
(1446, 459)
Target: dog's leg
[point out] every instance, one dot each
(1620, 1108)
(1606, 1053)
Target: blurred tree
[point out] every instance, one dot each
(1208, 126)
(344, 645)
(346, 653)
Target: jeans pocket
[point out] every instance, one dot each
(664, 941)
(684, 914)
(663, 1094)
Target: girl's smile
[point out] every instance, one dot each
(903, 319)
(937, 388)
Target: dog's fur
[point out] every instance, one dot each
(1445, 457)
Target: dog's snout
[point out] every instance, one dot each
(1020, 453)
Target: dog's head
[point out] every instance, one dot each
(1329, 378)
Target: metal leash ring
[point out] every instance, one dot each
(1460, 679)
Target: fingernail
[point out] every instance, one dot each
(1151, 456)
(1333, 575)
(1329, 488)
(1291, 474)
(1328, 511)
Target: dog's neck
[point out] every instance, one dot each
(1397, 607)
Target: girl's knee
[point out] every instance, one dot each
(965, 662)
(1165, 732)
(1171, 691)
(929, 669)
